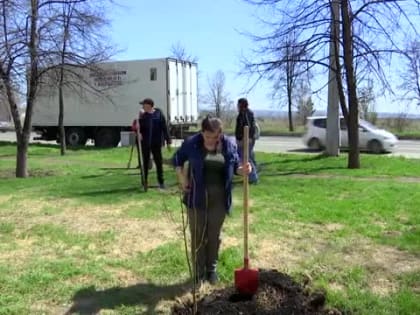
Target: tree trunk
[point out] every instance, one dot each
(353, 123)
(23, 135)
(22, 142)
(218, 110)
(289, 109)
(22, 156)
(61, 114)
(340, 86)
(290, 78)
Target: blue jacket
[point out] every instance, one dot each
(153, 128)
(192, 150)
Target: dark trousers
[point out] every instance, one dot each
(156, 151)
(205, 228)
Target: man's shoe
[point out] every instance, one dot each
(212, 277)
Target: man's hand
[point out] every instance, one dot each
(244, 169)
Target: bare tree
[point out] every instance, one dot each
(19, 54)
(25, 53)
(411, 75)
(367, 38)
(217, 96)
(366, 96)
(179, 51)
(304, 104)
(72, 42)
(228, 113)
(288, 74)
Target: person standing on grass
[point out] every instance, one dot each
(246, 118)
(153, 135)
(207, 186)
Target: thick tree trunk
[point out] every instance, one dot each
(22, 156)
(353, 123)
(21, 139)
(23, 135)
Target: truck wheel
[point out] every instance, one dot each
(107, 138)
(75, 137)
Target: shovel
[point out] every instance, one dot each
(246, 279)
(140, 156)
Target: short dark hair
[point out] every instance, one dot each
(211, 124)
(243, 103)
(147, 101)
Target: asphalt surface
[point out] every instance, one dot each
(407, 148)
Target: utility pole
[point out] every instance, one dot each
(333, 117)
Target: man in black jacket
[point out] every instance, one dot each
(154, 133)
(246, 118)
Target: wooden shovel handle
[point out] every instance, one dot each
(246, 193)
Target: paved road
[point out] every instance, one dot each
(407, 148)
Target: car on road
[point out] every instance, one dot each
(371, 138)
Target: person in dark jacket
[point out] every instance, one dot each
(246, 118)
(207, 185)
(154, 133)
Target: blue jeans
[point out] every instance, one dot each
(253, 176)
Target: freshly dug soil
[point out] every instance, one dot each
(277, 293)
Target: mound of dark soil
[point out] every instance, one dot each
(277, 293)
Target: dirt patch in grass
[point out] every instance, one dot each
(277, 293)
(131, 235)
(21, 251)
(291, 252)
(142, 236)
(401, 179)
(10, 173)
(42, 173)
(5, 199)
(6, 174)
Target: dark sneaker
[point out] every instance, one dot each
(212, 277)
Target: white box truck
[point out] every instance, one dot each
(106, 101)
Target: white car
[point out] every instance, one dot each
(371, 138)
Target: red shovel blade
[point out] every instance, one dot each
(246, 281)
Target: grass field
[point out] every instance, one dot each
(79, 236)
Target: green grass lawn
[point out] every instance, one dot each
(80, 236)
